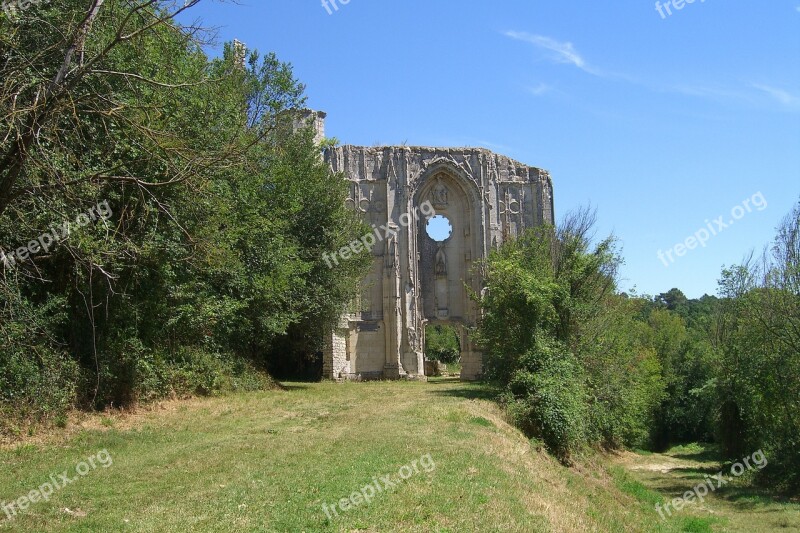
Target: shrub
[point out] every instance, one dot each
(35, 387)
(546, 399)
(195, 372)
(441, 344)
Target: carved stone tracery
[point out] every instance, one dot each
(488, 199)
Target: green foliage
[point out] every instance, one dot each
(575, 365)
(624, 374)
(195, 372)
(546, 398)
(442, 344)
(731, 365)
(688, 362)
(210, 262)
(35, 389)
(758, 331)
(38, 380)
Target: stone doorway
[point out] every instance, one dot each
(442, 349)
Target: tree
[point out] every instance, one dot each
(218, 210)
(572, 362)
(442, 344)
(759, 333)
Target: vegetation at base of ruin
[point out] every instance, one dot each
(442, 344)
(268, 461)
(571, 370)
(580, 365)
(208, 268)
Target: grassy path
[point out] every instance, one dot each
(733, 507)
(269, 461)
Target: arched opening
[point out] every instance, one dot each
(442, 351)
(447, 246)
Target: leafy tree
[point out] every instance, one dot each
(442, 344)
(674, 300)
(624, 374)
(218, 210)
(758, 331)
(574, 366)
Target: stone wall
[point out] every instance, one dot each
(415, 280)
(335, 361)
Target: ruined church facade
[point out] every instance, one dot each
(416, 281)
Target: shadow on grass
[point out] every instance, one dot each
(702, 453)
(706, 456)
(753, 497)
(294, 386)
(470, 391)
(699, 471)
(745, 499)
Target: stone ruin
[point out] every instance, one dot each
(416, 281)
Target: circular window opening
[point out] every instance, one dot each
(439, 228)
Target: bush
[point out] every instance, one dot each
(37, 387)
(546, 399)
(575, 365)
(441, 344)
(195, 372)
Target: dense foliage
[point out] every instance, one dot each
(581, 365)
(215, 212)
(442, 344)
(571, 371)
(758, 333)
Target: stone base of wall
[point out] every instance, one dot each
(335, 364)
(471, 366)
(376, 376)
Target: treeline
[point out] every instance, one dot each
(581, 365)
(200, 265)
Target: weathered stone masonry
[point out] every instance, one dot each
(415, 281)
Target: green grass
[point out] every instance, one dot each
(736, 507)
(629, 485)
(650, 498)
(268, 461)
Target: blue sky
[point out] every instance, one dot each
(662, 123)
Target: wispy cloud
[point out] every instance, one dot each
(564, 52)
(540, 89)
(559, 52)
(782, 96)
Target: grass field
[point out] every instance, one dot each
(270, 461)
